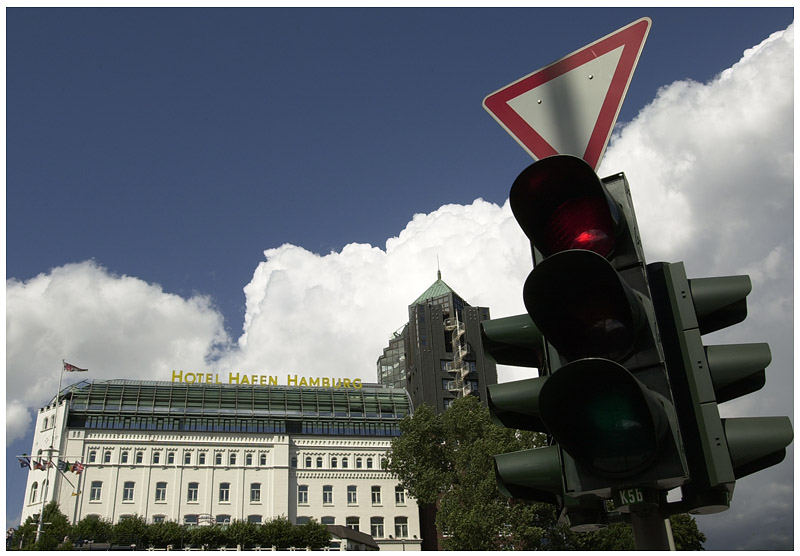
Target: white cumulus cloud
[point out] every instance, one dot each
(117, 326)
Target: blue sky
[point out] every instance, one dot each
(171, 147)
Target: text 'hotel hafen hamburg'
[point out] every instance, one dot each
(207, 453)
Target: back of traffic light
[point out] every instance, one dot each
(719, 451)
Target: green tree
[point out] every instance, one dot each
(312, 534)
(210, 536)
(130, 530)
(161, 535)
(92, 528)
(619, 536)
(446, 459)
(55, 529)
(242, 533)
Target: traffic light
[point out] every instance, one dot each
(719, 451)
(603, 393)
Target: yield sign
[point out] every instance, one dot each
(570, 106)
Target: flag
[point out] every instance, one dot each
(77, 468)
(63, 465)
(24, 462)
(38, 465)
(49, 464)
(72, 368)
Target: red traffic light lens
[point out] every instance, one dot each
(581, 223)
(561, 204)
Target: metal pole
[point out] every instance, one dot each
(650, 530)
(50, 458)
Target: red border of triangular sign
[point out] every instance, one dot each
(632, 37)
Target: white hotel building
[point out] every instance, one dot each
(212, 453)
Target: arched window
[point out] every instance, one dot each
(344, 463)
(334, 462)
(308, 461)
(34, 488)
(107, 456)
(319, 462)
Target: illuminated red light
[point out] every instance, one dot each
(580, 223)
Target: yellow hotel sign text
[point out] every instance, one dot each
(264, 380)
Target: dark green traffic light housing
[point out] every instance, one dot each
(626, 392)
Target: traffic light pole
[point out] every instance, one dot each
(651, 531)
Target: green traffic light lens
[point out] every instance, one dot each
(603, 416)
(619, 430)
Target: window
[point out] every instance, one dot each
(201, 458)
(158, 519)
(161, 492)
(328, 520)
(294, 461)
(191, 492)
(156, 457)
(223, 519)
(327, 494)
(308, 461)
(344, 463)
(401, 527)
(170, 458)
(262, 459)
(123, 458)
(232, 458)
(399, 495)
(369, 463)
(302, 494)
(190, 520)
(358, 463)
(253, 519)
(96, 491)
(34, 488)
(334, 462)
(376, 527)
(107, 456)
(187, 458)
(44, 423)
(127, 491)
(352, 494)
(302, 520)
(255, 492)
(218, 458)
(224, 492)
(376, 495)
(351, 522)
(319, 462)
(248, 459)
(139, 457)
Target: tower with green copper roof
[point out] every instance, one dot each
(438, 356)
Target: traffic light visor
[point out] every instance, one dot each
(561, 204)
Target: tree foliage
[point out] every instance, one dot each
(447, 460)
(130, 530)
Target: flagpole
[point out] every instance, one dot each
(50, 459)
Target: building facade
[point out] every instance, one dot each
(438, 355)
(213, 453)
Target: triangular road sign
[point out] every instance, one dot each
(570, 106)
